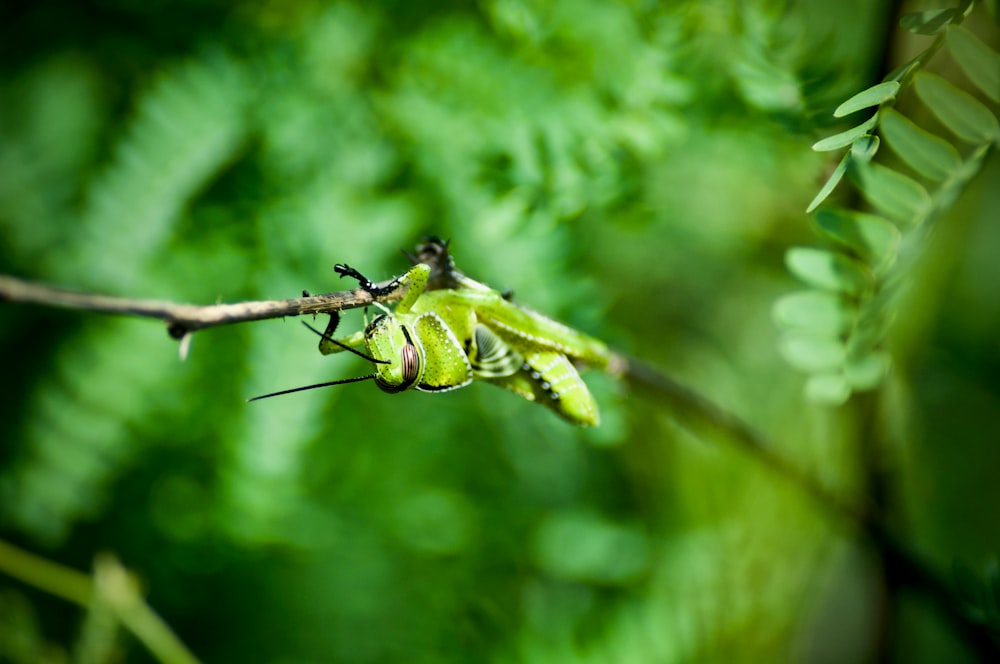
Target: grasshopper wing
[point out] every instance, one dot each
(522, 328)
(491, 357)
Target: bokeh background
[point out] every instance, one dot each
(636, 169)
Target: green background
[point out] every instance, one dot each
(635, 169)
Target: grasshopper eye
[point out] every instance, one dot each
(410, 364)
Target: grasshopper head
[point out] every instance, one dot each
(386, 338)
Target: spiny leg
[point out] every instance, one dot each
(366, 283)
(415, 279)
(331, 326)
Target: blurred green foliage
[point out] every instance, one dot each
(635, 169)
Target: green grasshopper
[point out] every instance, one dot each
(442, 339)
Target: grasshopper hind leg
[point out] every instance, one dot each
(551, 380)
(561, 388)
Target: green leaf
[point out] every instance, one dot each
(874, 239)
(959, 111)
(893, 194)
(873, 96)
(979, 62)
(929, 22)
(901, 71)
(865, 148)
(869, 329)
(829, 389)
(812, 352)
(830, 184)
(867, 372)
(827, 270)
(813, 311)
(847, 137)
(929, 155)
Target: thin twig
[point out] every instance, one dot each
(182, 319)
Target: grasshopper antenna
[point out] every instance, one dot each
(345, 346)
(356, 379)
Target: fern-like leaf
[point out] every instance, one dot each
(185, 128)
(850, 307)
(84, 416)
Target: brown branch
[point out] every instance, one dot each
(182, 319)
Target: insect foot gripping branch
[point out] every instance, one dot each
(443, 339)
